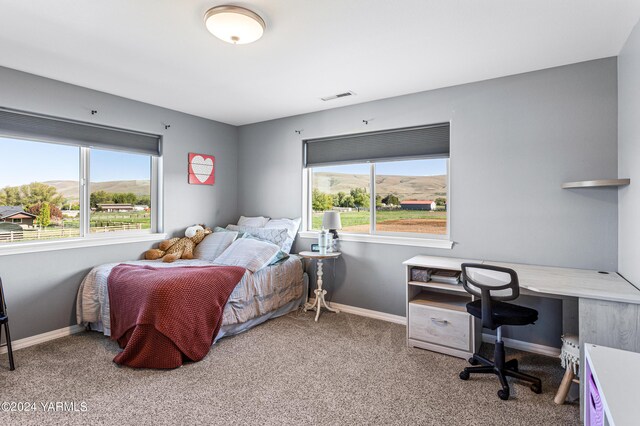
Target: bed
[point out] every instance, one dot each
(268, 293)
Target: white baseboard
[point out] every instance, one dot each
(396, 319)
(488, 338)
(44, 337)
(523, 346)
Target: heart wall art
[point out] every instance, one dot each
(201, 169)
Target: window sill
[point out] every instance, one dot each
(40, 246)
(386, 239)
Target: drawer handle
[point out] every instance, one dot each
(439, 321)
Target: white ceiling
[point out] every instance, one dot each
(158, 51)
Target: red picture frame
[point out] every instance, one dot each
(202, 169)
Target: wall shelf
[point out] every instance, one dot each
(596, 183)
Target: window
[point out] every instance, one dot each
(410, 196)
(344, 188)
(72, 180)
(391, 183)
(37, 182)
(120, 191)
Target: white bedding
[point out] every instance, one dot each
(255, 295)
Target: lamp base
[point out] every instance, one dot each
(334, 241)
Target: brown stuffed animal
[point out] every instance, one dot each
(179, 248)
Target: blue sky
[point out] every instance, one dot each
(23, 162)
(428, 167)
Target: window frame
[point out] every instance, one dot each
(86, 238)
(396, 238)
(85, 195)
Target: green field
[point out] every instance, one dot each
(102, 219)
(391, 221)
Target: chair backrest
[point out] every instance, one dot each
(490, 283)
(3, 306)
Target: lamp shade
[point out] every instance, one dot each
(331, 220)
(234, 24)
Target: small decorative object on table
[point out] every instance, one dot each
(421, 274)
(445, 276)
(320, 292)
(323, 241)
(331, 221)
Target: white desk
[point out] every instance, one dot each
(608, 307)
(581, 283)
(551, 281)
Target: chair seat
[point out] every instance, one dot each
(505, 313)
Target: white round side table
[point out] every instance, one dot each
(320, 292)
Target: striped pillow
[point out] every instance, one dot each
(248, 253)
(279, 237)
(213, 245)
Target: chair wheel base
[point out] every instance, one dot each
(473, 361)
(503, 394)
(464, 375)
(536, 388)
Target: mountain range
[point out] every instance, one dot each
(69, 188)
(405, 187)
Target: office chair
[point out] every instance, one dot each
(494, 285)
(4, 320)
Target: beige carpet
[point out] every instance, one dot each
(344, 369)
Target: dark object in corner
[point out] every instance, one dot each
(4, 320)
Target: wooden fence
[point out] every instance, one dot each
(58, 233)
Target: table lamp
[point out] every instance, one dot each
(331, 221)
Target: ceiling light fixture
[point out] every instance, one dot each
(234, 24)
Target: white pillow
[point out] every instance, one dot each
(214, 244)
(248, 253)
(255, 222)
(291, 225)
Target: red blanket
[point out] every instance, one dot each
(162, 315)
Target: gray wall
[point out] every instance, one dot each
(629, 157)
(514, 140)
(41, 287)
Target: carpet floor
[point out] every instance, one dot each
(345, 369)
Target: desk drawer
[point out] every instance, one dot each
(440, 326)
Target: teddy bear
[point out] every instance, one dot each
(179, 248)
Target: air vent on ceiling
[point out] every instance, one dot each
(339, 95)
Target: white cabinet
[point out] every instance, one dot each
(437, 318)
(610, 377)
